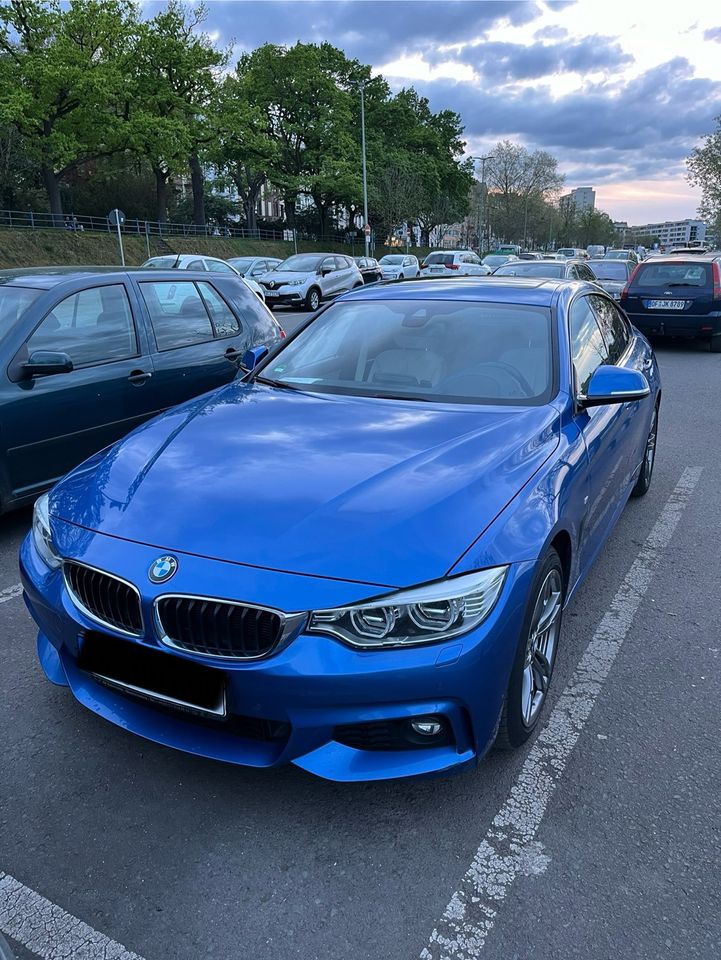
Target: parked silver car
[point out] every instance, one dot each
(253, 267)
(399, 266)
(453, 263)
(306, 279)
(193, 261)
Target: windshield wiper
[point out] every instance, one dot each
(274, 383)
(397, 396)
(684, 284)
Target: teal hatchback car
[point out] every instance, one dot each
(88, 354)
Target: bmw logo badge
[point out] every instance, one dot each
(162, 569)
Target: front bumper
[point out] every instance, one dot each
(310, 687)
(286, 296)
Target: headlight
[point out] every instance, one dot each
(293, 283)
(436, 611)
(42, 538)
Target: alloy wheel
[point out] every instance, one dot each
(541, 646)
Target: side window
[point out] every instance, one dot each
(92, 326)
(328, 264)
(588, 348)
(196, 265)
(257, 321)
(573, 272)
(224, 320)
(217, 266)
(613, 326)
(259, 268)
(341, 263)
(177, 313)
(585, 273)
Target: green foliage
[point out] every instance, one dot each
(704, 171)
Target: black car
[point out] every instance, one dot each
(677, 296)
(369, 268)
(86, 356)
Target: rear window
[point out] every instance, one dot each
(532, 268)
(610, 269)
(684, 274)
(14, 301)
(440, 258)
(160, 263)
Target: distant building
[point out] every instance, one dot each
(669, 233)
(582, 198)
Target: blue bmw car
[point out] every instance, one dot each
(356, 556)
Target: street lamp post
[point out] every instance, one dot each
(482, 204)
(366, 232)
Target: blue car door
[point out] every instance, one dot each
(625, 350)
(50, 423)
(602, 429)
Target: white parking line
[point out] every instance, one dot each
(48, 931)
(471, 913)
(9, 593)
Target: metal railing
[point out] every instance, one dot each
(30, 220)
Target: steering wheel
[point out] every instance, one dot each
(506, 368)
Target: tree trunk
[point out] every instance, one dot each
(198, 186)
(55, 202)
(161, 194)
(289, 201)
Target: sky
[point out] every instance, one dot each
(619, 91)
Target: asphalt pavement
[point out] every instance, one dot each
(178, 857)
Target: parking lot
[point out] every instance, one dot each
(613, 852)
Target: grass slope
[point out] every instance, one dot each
(34, 248)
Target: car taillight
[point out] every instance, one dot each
(624, 292)
(421, 266)
(716, 276)
(451, 266)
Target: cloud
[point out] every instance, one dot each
(714, 33)
(551, 33)
(374, 31)
(610, 131)
(499, 62)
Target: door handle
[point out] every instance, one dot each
(139, 377)
(232, 355)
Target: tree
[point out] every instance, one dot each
(62, 73)
(518, 180)
(171, 111)
(704, 171)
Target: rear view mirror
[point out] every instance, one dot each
(610, 384)
(47, 362)
(252, 357)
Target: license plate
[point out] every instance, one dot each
(152, 675)
(271, 293)
(665, 304)
(437, 269)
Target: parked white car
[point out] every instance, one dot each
(192, 261)
(454, 263)
(399, 266)
(306, 279)
(250, 268)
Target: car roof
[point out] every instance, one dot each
(538, 291)
(688, 255)
(45, 278)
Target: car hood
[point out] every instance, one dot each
(371, 490)
(278, 279)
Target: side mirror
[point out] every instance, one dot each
(610, 384)
(47, 362)
(252, 357)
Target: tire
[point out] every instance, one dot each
(715, 344)
(312, 299)
(649, 458)
(531, 676)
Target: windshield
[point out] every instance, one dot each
(618, 255)
(241, 264)
(391, 258)
(442, 351)
(673, 275)
(495, 260)
(301, 263)
(609, 269)
(14, 301)
(566, 252)
(160, 263)
(532, 268)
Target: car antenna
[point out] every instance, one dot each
(177, 261)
